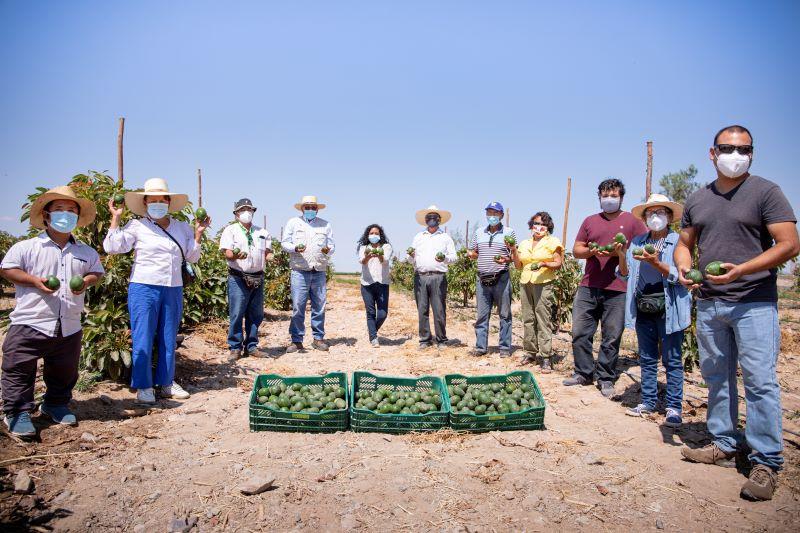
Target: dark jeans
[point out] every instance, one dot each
(650, 329)
(498, 294)
(376, 302)
(590, 307)
(430, 291)
(21, 350)
(245, 304)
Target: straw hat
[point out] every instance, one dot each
(154, 187)
(658, 200)
(432, 209)
(308, 200)
(88, 210)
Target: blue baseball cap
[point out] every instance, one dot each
(497, 206)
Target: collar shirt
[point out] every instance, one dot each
(488, 245)
(41, 257)
(426, 245)
(157, 259)
(315, 235)
(236, 236)
(375, 271)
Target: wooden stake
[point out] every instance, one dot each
(649, 184)
(265, 222)
(120, 178)
(199, 188)
(566, 213)
(508, 216)
(466, 237)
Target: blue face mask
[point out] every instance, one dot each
(493, 220)
(432, 223)
(157, 210)
(309, 214)
(374, 239)
(63, 221)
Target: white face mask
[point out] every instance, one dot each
(374, 239)
(157, 210)
(656, 222)
(610, 204)
(733, 165)
(245, 217)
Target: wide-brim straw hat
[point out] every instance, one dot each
(154, 187)
(308, 200)
(422, 213)
(659, 200)
(64, 192)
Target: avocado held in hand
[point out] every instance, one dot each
(694, 275)
(440, 256)
(119, 199)
(410, 250)
(76, 283)
(52, 283)
(509, 240)
(536, 266)
(300, 248)
(620, 238)
(201, 214)
(714, 268)
(637, 252)
(650, 249)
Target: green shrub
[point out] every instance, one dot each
(461, 278)
(568, 278)
(277, 293)
(402, 274)
(6, 241)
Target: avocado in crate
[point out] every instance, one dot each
(300, 404)
(495, 402)
(388, 404)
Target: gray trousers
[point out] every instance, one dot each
(430, 291)
(590, 307)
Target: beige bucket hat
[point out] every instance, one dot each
(658, 200)
(64, 192)
(308, 200)
(154, 187)
(445, 215)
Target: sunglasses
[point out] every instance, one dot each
(744, 149)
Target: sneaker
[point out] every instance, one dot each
(233, 354)
(320, 345)
(375, 343)
(505, 353)
(60, 414)
(606, 388)
(252, 351)
(640, 410)
(761, 484)
(476, 352)
(710, 455)
(425, 346)
(295, 347)
(527, 359)
(546, 367)
(146, 396)
(576, 379)
(20, 425)
(673, 419)
(173, 391)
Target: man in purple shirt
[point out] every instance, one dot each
(601, 295)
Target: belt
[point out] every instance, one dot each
(432, 273)
(239, 274)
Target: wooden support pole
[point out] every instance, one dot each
(649, 184)
(508, 216)
(199, 188)
(466, 236)
(265, 222)
(566, 213)
(120, 177)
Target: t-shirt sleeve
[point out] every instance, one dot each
(15, 257)
(226, 239)
(639, 227)
(556, 246)
(686, 219)
(95, 266)
(775, 207)
(583, 232)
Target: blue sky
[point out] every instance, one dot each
(381, 108)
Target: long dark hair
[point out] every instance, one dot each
(364, 240)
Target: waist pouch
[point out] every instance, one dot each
(651, 304)
(491, 279)
(251, 280)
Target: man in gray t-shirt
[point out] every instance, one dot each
(745, 223)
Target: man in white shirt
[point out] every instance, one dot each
(432, 251)
(50, 273)
(246, 247)
(308, 240)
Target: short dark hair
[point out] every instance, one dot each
(547, 220)
(736, 128)
(611, 184)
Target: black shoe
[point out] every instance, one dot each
(234, 354)
(576, 379)
(476, 352)
(320, 345)
(606, 388)
(505, 353)
(295, 347)
(546, 366)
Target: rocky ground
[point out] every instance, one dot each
(183, 464)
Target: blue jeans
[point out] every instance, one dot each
(376, 302)
(748, 333)
(155, 315)
(244, 304)
(650, 329)
(307, 284)
(487, 297)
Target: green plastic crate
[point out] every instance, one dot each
(265, 419)
(532, 418)
(365, 420)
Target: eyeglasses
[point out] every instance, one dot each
(744, 149)
(432, 217)
(660, 211)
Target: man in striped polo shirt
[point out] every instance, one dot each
(494, 246)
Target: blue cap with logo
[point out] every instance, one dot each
(497, 206)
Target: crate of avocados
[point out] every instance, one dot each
(495, 402)
(308, 404)
(387, 404)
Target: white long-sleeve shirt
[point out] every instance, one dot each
(157, 259)
(426, 245)
(315, 235)
(375, 270)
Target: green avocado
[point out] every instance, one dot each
(52, 283)
(76, 283)
(509, 240)
(201, 214)
(637, 252)
(119, 199)
(695, 276)
(650, 249)
(715, 269)
(620, 238)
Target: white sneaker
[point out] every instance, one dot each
(375, 343)
(174, 391)
(146, 396)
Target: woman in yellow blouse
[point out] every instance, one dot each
(538, 257)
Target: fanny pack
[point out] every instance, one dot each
(252, 280)
(490, 279)
(651, 304)
(187, 272)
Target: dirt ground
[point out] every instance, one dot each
(592, 468)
